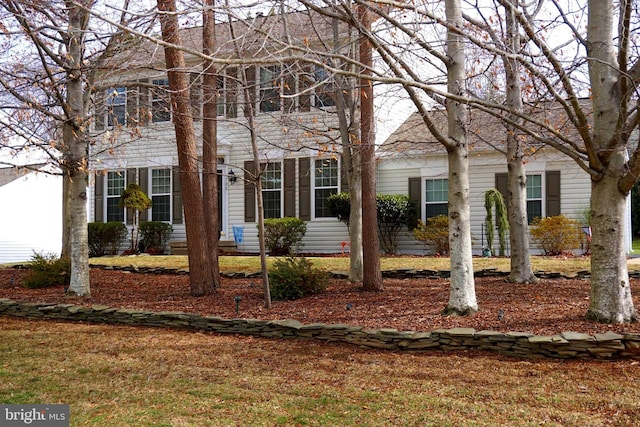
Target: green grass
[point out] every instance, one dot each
(125, 376)
(252, 263)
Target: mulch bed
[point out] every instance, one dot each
(545, 308)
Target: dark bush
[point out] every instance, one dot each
(154, 236)
(105, 238)
(47, 270)
(340, 206)
(395, 211)
(283, 236)
(434, 234)
(292, 278)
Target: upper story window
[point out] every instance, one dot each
(161, 194)
(270, 86)
(160, 105)
(272, 190)
(227, 101)
(116, 106)
(115, 186)
(534, 197)
(437, 197)
(324, 92)
(326, 175)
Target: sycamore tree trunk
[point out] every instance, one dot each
(611, 300)
(76, 143)
(200, 274)
(462, 294)
(521, 270)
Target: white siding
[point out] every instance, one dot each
(30, 217)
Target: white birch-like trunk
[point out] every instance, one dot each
(611, 300)
(462, 294)
(521, 270)
(74, 138)
(355, 221)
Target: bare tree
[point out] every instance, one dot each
(46, 96)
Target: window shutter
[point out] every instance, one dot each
(553, 193)
(131, 179)
(144, 184)
(100, 110)
(132, 106)
(289, 181)
(415, 192)
(251, 86)
(195, 96)
(177, 195)
(249, 193)
(305, 189)
(502, 185)
(98, 198)
(231, 92)
(144, 109)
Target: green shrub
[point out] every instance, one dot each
(106, 237)
(395, 211)
(283, 236)
(47, 270)
(556, 234)
(434, 234)
(154, 236)
(340, 206)
(292, 278)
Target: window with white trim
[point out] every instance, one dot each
(161, 194)
(270, 86)
(160, 106)
(436, 197)
(272, 190)
(534, 197)
(326, 181)
(323, 95)
(115, 186)
(116, 106)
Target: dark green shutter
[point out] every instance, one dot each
(98, 198)
(131, 179)
(553, 193)
(144, 108)
(415, 192)
(502, 185)
(144, 184)
(305, 189)
(249, 192)
(289, 180)
(177, 195)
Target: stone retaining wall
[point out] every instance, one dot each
(607, 346)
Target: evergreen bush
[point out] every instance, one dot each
(154, 236)
(106, 238)
(283, 236)
(292, 278)
(47, 270)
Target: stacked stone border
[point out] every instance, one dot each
(566, 345)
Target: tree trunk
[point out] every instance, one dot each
(210, 143)
(200, 274)
(66, 213)
(611, 300)
(462, 295)
(372, 275)
(521, 270)
(355, 220)
(74, 138)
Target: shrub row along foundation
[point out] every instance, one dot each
(607, 346)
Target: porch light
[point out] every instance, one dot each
(232, 177)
